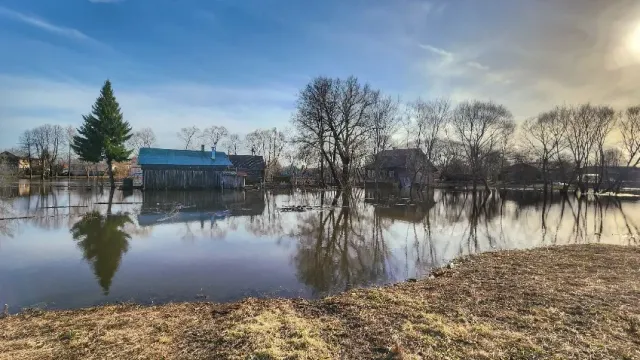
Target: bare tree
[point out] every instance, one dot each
(268, 144)
(431, 118)
(42, 141)
(28, 146)
(587, 126)
(630, 129)
(339, 112)
(145, 137)
(256, 142)
(545, 136)
(384, 124)
(232, 143)
(70, 133)
(606, 121)
(188, 136)
(479, 127)
(214, 134)
(311, 129)
(449, 157)
(58, 141)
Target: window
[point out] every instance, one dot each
(391, 174)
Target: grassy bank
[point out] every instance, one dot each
(573, 302)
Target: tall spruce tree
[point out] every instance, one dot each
(104, 133)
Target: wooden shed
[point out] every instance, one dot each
(187, 169)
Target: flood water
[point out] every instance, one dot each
(75, 248)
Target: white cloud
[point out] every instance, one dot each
(44, 25)
(477, 65)
(438, 51)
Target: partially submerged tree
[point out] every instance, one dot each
(587, 127)
(480, 128)
(334, 117)
(545, 136)
(606, 121)
(384, 124)
(70, 132)
(630, 130)
(58, 141)
(429, 121)
(104, 133)
(42, 142)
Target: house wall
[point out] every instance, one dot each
(253, 176)
(187, 178)
(399, 176)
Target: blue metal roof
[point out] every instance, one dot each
(153, 156)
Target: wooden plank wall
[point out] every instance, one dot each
(188, 179)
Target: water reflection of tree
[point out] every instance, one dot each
(339, 249)
(270, 222)
(103, 241)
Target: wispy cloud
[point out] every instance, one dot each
(477, 65)
(44, 25)
(438, 51)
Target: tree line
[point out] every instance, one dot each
(268, 143)
(343, 124)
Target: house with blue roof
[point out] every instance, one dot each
(187, 169)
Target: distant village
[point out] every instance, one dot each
(344, 134)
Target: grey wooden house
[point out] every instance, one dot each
(187, 169)
(252, 165)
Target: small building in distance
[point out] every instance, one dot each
(400, 167)
(252, 166)
(187, 169)
(9, 161)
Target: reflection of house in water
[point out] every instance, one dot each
(398, 206)
(413, 213)
(166, 207)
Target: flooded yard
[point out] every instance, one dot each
(80, 246)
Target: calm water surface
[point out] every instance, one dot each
(76, 248)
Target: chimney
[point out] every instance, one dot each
(213, 153)
(202, 147)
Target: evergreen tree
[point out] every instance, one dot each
(104, 133)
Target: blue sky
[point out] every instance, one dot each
(241, 63)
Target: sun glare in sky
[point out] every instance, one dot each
(634, 41)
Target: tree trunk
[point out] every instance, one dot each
(112, 182)
(110, 201)
(322, 173)
(345, 175)
(545, 177)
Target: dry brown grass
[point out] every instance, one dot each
(576, 302)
